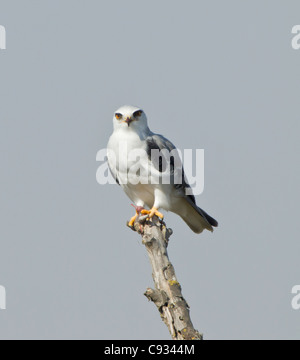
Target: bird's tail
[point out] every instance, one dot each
(196, 218)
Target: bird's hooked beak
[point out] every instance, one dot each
(128, 121)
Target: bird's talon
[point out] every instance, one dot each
(132, 221)
(138, 212)
(151, 213)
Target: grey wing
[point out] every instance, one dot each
(178, 178)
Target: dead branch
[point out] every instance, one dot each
(167, 296)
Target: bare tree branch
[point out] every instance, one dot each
(167, 295)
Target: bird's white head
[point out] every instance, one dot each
(131, 118)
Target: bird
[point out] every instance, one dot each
(131, 135)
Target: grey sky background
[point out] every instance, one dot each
(217, 75)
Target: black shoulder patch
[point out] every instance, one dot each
(157, 162)
(157, 157)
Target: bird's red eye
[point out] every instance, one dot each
(118, 116)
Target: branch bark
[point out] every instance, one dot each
(167, 295)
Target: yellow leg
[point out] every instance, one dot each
(132, 220)
(152, 212)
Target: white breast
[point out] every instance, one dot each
(126, 151)
(128, 160)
